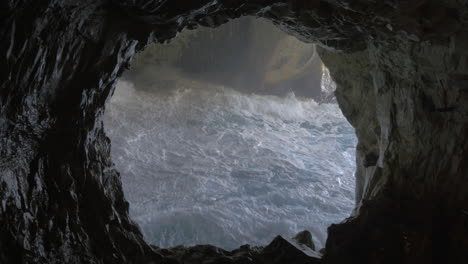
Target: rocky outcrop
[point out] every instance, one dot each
(305, 238)
(400, 67)
(279, 251)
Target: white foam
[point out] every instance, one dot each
(212, 165)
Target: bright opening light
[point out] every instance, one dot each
(229, 155)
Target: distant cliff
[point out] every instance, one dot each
(248, 54)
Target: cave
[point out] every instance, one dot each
(400, 69)
(231, 140)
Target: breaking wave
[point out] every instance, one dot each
(215, 166)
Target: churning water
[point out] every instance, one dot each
(215, 166)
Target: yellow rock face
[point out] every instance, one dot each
(290, 59)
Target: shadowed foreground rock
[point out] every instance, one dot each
(279, 251)
(401, 69)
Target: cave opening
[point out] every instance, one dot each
(231, 136)
(401, 69)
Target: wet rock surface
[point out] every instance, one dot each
(401, 74)
(411, 134)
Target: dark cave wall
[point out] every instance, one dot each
(61, 199)
(412, 140)
(402, 82)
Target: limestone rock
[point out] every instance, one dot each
(305, 238)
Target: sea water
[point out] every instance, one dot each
(210, 165)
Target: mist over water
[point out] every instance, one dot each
(209, 165)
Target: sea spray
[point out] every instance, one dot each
(208, 165)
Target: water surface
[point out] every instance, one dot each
(209, 165)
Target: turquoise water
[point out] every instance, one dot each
(213, 166)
